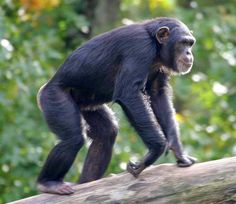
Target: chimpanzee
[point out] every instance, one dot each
(131, 66)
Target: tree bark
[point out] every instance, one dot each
(203, 183)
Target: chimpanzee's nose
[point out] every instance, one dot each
(188, 58)
(188, 52)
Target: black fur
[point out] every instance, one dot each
(128, 66)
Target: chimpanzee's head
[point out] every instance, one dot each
(176, 43)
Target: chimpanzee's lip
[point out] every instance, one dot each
(188, 64)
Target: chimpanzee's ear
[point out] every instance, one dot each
(163, 34)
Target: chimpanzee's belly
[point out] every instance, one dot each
(88, 99)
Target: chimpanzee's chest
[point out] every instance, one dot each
(157, 79)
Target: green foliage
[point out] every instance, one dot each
(35, 38)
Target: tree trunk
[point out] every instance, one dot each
(203, 183)
(106, 15)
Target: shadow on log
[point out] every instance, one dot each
(203, 183)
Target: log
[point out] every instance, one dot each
(203, 183)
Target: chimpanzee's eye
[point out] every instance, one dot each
(191, 42)
(187, 42)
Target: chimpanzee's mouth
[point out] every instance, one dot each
(187, 64)
(184, 67)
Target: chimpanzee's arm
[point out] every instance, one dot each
(160, 96)
(128, 93)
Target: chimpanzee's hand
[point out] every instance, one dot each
(185, 160)
(135, 168)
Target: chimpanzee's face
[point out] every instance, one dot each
(176, 48)
(183, 59)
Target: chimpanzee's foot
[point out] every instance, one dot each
(135, 168)
(56, 187)
(185, 161)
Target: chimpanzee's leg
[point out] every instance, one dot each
(64, 119)
(102, 129)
